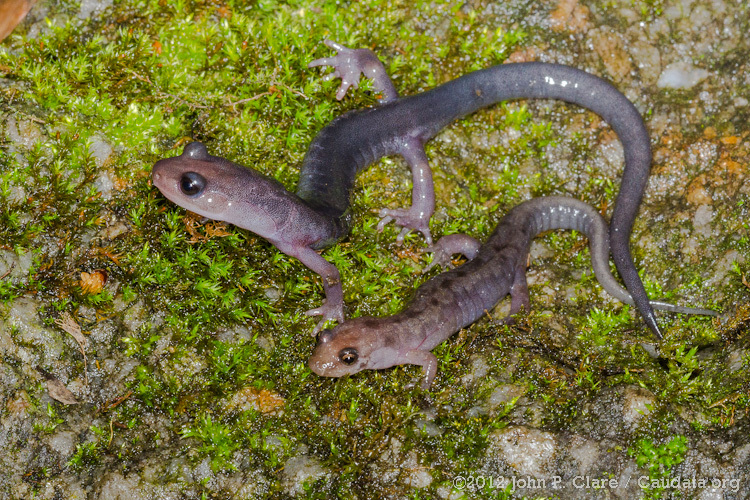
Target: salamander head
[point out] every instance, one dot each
(196, 181)
(221, 190)
(350, 347)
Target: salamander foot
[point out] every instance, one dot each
(349, 64)
(408, 219)
(450, 245)
(330, 312)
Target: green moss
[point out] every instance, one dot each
(85, 456)
(659, 461)
(49, 425)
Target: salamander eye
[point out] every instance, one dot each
(192, 184)
(348, 356)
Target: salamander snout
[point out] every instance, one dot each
(338, 353)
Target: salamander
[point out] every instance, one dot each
(458, 297)
(318, 214)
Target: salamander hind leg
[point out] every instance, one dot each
(416, 217)
(449, 245)
(348, 64)
(519, 296)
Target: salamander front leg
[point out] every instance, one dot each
(427, 361)
(416, 217)
(348, 64)
(333, 307)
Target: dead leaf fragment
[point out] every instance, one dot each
(12, 12)
(59, 392)
(68, 324)
(93, 283)
(261, 400)
(213, 229)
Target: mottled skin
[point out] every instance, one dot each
(457, 298)
(317, 215)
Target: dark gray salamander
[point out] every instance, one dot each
(317, 216)
(456, 298)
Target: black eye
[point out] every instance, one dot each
(192, 184)
(348, 355)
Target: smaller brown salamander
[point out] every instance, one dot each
(457, 298)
